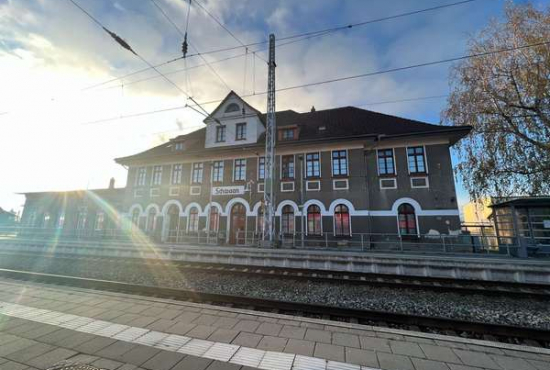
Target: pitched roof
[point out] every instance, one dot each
(339, 123)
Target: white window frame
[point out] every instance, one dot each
(172, 174)
(195, 190)
(281, 165)
(334, 223)
(347, 162)
(222, 171)
(245, 131)
(258, 168)
(137, 182)
(425, 159)
(192, 173)
(178, 146)
(102, 221)
(234, 168)
(138, 193)
(320, 164)
(313, 181)
(342, 179)
(154, 192)
(388, 179)
(420, 187)
(221, 128)
(394, 162)
(153, 175)
(261, 187)
(304, 209)
(287, 182)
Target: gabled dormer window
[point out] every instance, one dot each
(178, 147)
(220, 134)
(287, 134)
(233, 107)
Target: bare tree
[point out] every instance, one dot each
(505, 97)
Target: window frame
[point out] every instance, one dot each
(288, 220)
(221, 133)
(424, 159)
(139, 180)
(284, 138)
(200, 172)
(241, 168)
(394, 173)
(339, 165)
(415, 217)
(293, 167)
(306, 165)
(154, 174)
(179, 176)
(240, 135)
(217, 171)
(320, 213)
(335, 221)
(261, 165)
(195, 221)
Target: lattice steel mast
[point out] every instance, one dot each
(269, 193)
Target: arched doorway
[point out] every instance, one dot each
(237, 226)
(406, 220)
(173, 223)
(193, 221)
(314, 220)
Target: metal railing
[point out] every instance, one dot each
(362, 242)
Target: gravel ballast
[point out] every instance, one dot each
(473, 307)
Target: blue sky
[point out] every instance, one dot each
(50, 51)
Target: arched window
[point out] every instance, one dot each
(193, 223)
(151, 220)
(314, 220)
(135, 218)
(260, 220)
(406, 219)
(214, 219)
(233, 107)
(287, 221)
(341, 220)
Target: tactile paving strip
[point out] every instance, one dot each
(74, 367)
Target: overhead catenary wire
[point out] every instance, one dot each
(126, 46)
(369, 74)
(304, 36)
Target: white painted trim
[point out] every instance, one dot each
(334, 220)
(258, 168)
(175, 202)
(394, 162)
(284, 183)
(138, 193)
(232, 201)
(279, 210)
(212, 165)
(137, 176)
(337, 189)
(313, 181)
(174, 191)
(191, 177)
(343, 201)
(152, 205)
(388, 187)
(420, 177)
(193, 190)
(281, 166)
(263, 187)
(332, 162)
(320, 164)
(318, 203)
(234, 167)
(154, 192)
(153, 174)
(136, 205)
(191, 205)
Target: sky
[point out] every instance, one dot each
(61, 124)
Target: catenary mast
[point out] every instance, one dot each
(269, 193)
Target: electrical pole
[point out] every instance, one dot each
(269, 191)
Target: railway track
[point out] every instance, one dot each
(477, 330)
(489, 288)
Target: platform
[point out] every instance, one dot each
(42, 325)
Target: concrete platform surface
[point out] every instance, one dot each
(42, 325)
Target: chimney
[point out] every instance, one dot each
(313, 108)
(112, 183)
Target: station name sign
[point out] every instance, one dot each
(228, 190)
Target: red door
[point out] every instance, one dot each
(238, 224)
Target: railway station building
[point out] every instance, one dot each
(340, 172)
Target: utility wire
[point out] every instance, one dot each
(194, 48)
(306, 36)
(123, 43)
(370, 74)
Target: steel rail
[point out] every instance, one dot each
(504, 333)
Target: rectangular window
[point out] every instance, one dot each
(313, 165)
(385, 162)
(339, 163)
(196, 177)
(240, 131)
(220, 134)
(287, 166)
(288, 134)
(261, 168)
(157, 175)
(100, 221)
(141, 176)
(177, 171)
(239, 170)
(417, 162)
(178, 147)
(217, 171)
